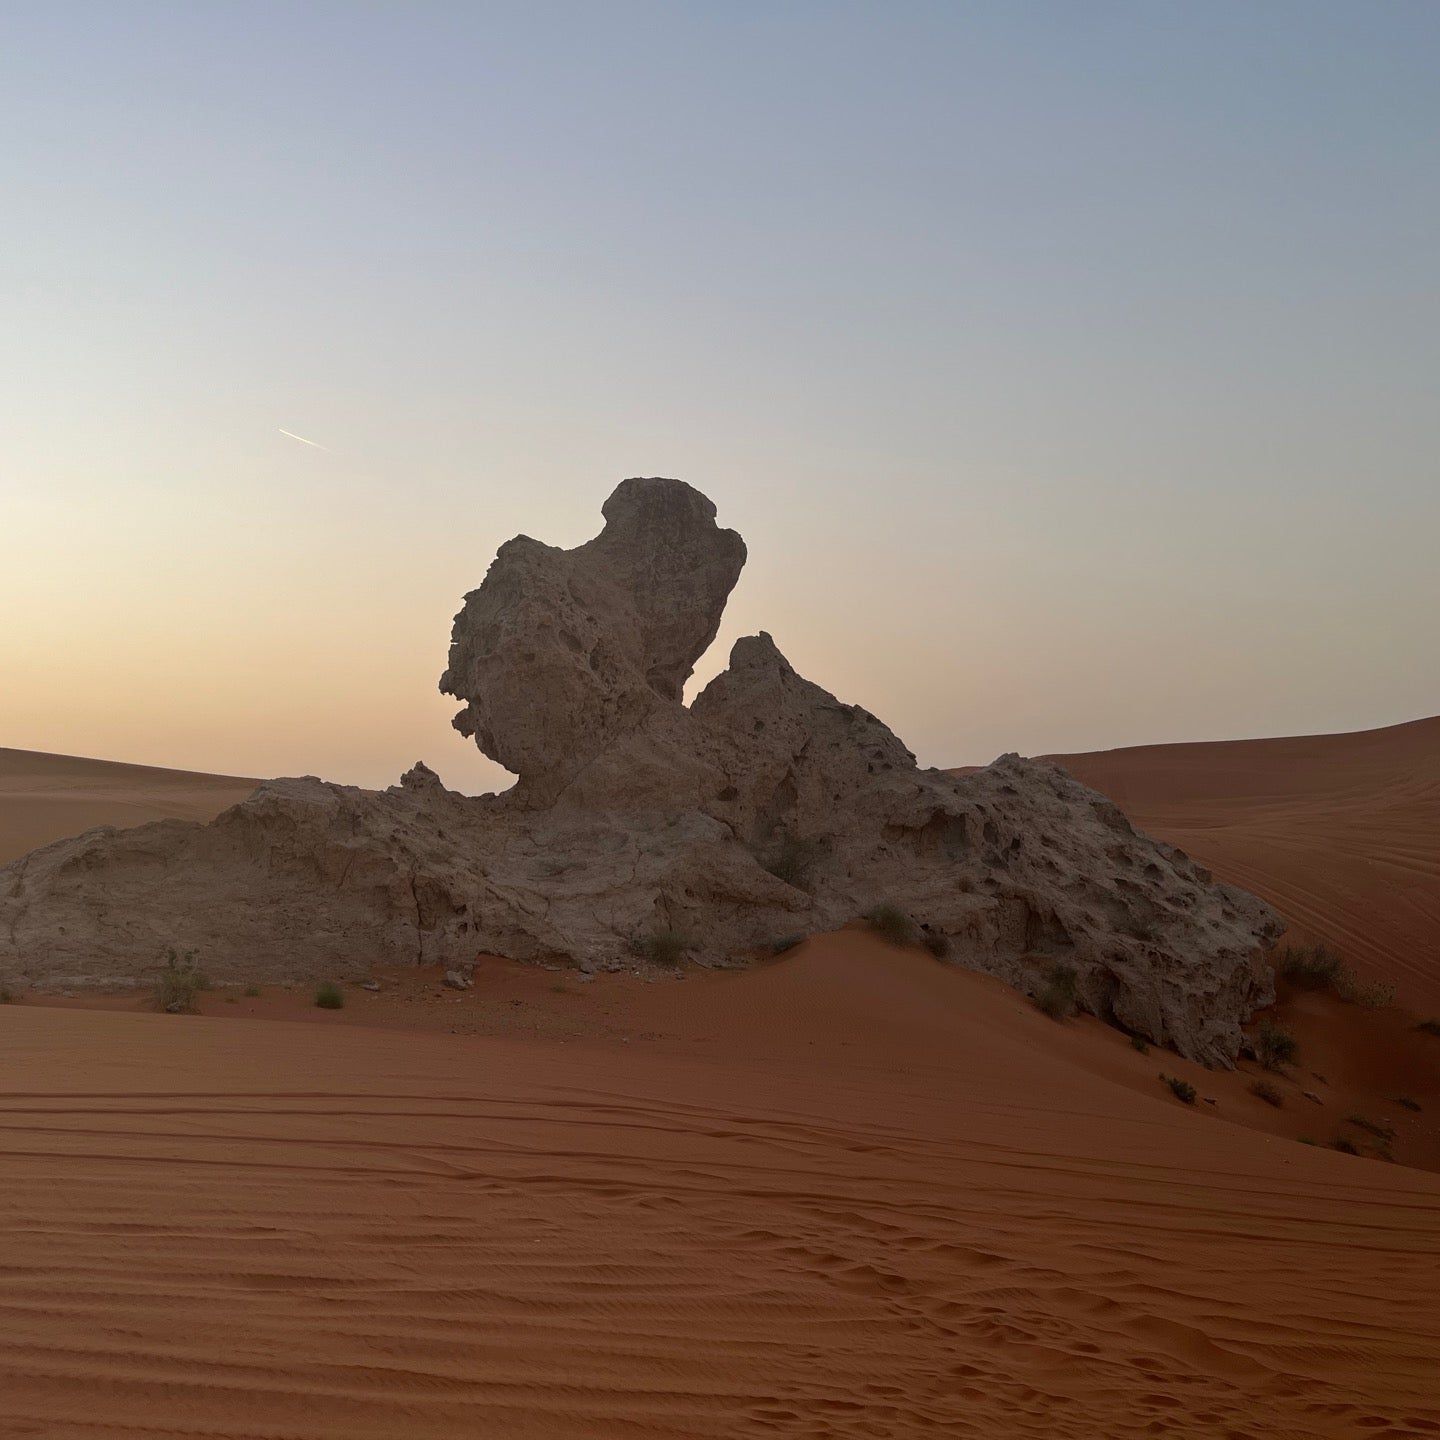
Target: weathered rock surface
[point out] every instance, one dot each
(766, 809)
(559, 652)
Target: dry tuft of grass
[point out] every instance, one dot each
(180, 982)
(662, 947)
(1314, 967)
(1310, 967)
(329, 996)
(1057, 999)
(1373, 995)
(1274, 1047)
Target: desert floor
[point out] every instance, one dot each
(850, 1192)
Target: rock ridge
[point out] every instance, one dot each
(765, 809)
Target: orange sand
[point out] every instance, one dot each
(851, 1193)
(1341, 833)
(47, 797)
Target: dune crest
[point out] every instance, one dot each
(45, 798)
(639, 825)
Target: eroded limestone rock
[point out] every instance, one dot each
(559, 652)
(767, 808)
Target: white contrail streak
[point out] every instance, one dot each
(293, 436)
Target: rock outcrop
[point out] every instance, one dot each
(639, 825)
(560, 652)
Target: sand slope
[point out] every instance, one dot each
(1340, 832)
(48, 797)
(852, 1193)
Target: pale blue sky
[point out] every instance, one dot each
(1069, 368)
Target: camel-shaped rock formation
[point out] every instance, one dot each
(765, 809)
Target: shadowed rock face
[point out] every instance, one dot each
(766, 809)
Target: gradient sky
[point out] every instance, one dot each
(1070, 369)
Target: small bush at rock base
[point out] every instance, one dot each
(252, 992)
(1310, 967)
(784, 943)
(1057, 999)
(1182, 1090)
(1139, 1042)
(1314, 967)
(1373, 995)
(329, 996)
(1275, 1047)
(891, 924)
(662, 947)
(179, 983)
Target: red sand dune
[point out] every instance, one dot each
(851, 1192)
(1341, 833)
(47, 797)
(854, 1192)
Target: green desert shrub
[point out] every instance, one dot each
(1314, 967)
(1182, 1090)
(329, 996)
(1310, 967)
(891, 924)
(662, 947)
(1269, 1092)
(1139, 1042)
(1057, 998)
(180, 982)
(1275, 1047)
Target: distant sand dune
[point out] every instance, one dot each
(1341, 833)
(850, 1193)
(48, 797)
